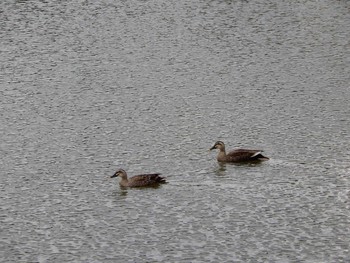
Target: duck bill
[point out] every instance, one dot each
(114, 175)
(212, 148)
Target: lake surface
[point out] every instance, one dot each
(88, 87)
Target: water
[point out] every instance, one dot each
(88, 87)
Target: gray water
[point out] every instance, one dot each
(88, 87)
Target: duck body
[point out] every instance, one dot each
(238, 155)
(138, 180)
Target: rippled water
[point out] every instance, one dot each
(88, 87)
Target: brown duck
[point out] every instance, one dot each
(138, 180)
(238, 155)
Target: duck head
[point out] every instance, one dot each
(218, 145)
(120, 173)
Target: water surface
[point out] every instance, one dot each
(149, 86)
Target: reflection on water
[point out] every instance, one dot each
(148, 86)
(221, 169)
(122, 193)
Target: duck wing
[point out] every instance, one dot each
(146, 179)
(242, 155)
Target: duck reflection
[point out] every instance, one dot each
(221, 169)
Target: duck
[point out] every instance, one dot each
(138, 180)
(238, 155)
